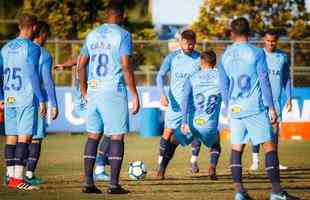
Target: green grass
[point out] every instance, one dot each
(61, 165)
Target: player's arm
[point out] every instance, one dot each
(33, 75)
(82, 64)
(262, 71)
(49, 84)
(68, 64)
(1, 83)
(160, 80)
(184, 106)
(224, 85)
(125, 52)
(287, 82)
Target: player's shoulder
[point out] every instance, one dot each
(15, 44)
(173, 54)
(45, 53)
(195, 54)
(281, 52)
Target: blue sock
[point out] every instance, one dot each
(215, 154)
(196, 144)
(170, 149)
(163, 143)
(255, 148)
(33, 156)
(236, 170)
(90, 153)
(116, 155)
(103, 154)
(9, 156)
(272, 169)
(21, 153)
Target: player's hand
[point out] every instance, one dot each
(54, 113)
(1, 105)
(84, 95)
(273, 116)
(185, 129)
(289, 105)
(164, 101)
(58, 67)
(42, 109)
(135, 104)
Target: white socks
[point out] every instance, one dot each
(18, 172)
(194, 159)
(255, 157)
(29, 174)
(10, 171)
(99, 169)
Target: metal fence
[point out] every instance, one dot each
(148, 55)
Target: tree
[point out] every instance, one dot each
(288, 16)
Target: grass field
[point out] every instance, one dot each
(61, 165)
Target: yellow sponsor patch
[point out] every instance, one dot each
(200, 121)
(10, 100)
(236, 109)
(92, 83)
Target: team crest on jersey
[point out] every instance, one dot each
(236, 109)
(92, 83)
(10, 100)
(200, 121)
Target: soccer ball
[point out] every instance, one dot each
(137, 170)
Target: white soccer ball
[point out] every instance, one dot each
(137, 170)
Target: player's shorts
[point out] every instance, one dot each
(173, 119)
(205, 130)
(40, 131)
(20, 120)
(107, 112)
(255, 127)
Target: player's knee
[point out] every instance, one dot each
(94, 136)
(36, 141)
(269, 146)
(167, 133)
(237, 147)
(24, 138)
(11, 140)
(117, 137)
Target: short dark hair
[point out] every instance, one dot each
(209, 56)
(116, 6)
(27, 20)
(272, 32)
(188, 35)
(240, 26)
(42, 27)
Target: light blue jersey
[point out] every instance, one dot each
(244, 77)
(104, 46)
(20, 68)
(279, 73)
(107, 107)
(201, 106)
(181, 67)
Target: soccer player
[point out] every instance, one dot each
(181, 64)
(279, 75)
(244, 79)
(196, 145)
(45, 72)
(100, 173)
(107, 49)
(20, 90)
(201, 108)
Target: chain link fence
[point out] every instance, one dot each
(149, 54)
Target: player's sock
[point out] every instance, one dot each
(215, 154)
(196, 144)
(170, 149)
(163, 143)
(272, 169)
(255, 149)
(20, 158)
(236, 170)
(9, 156)
(116, 155)
(33, 158)
(90, 153)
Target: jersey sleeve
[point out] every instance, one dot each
(48, 80)
(286, 79)
(84, 50)
(1, 79)
(164, 69)
(185, 99)
(224, 83)
(262, 71)
(32, 70)
(126, 45)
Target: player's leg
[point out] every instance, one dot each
(214, 157)
(102, 160)
(255, 157)
(276, 131)
(239, 137)
(34, 152)
(196, 145)
(94, 127)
